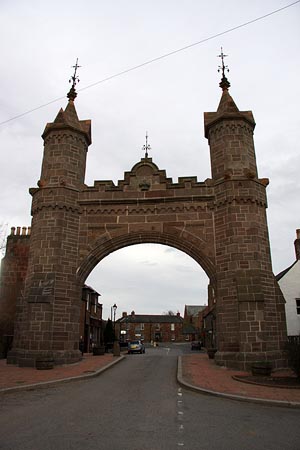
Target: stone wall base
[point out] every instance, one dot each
(28, 358)
(244, 361)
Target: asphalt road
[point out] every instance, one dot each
(138, 405)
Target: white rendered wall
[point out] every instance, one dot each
(290, 286)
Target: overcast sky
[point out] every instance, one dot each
(41, 41)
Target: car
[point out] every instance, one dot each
(196, 345)
(136, 347)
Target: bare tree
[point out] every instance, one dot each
(3, 237)
(169, 313)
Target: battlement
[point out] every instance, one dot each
(16, 231)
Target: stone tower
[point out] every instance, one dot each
(250, 307)
(48, 319)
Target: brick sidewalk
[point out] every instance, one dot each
(202, 372)
(12, 376)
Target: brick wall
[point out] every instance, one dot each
(152, 331)
(13, 273)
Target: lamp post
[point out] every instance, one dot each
(116, 348)
(114, 309)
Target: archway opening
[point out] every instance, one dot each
(149, 279)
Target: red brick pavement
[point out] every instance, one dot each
(12, 376)
(202, 372)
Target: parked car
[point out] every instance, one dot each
(196, 345)
(136, 347)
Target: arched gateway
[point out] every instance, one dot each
(220, 222)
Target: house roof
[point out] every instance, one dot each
(285, 271)
(189, 329)
(210, 311)
(193, 310)
(89, 288)
(150, 318)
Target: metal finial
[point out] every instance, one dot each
(74, 80)
(224, 84)
(146, 146)
(222, 68)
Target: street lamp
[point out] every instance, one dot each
(114, 309)
(116, 349)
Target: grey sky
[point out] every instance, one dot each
(41, 41)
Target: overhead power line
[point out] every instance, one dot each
(158, 58)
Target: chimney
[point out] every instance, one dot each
(124, 314)
(132, 313)
(297, 245)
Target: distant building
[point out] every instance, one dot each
(289, 282)
(91, 327)
(209, 328)
(193, 321)
(150, 327)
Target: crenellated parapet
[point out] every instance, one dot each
(20, 231)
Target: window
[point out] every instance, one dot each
(87, 301)
(95, 307)
(172, 326)
(298, 305)
(142, 326)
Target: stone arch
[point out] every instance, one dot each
(220, 222)
(109, 243)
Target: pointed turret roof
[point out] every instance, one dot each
(71, 113)
(227, 109)
(68, 118)
(227, 104)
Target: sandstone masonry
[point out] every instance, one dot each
(220, 222)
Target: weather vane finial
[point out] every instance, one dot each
(224, 84)
(146, 146)
(74, 80)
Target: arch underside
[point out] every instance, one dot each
(108, 243)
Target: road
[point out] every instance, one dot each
(138, 405)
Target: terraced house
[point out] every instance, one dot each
(150, 327)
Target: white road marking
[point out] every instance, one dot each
(180, 417)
